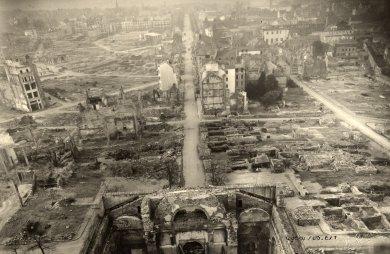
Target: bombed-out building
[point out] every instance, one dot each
(245, 219)
(214, 90)
(210, 220)
(23, 90)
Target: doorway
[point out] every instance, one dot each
(193, 248)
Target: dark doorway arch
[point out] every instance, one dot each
(183, 215)
(193, 247)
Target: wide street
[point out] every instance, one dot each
(192, 166)
(347, 116)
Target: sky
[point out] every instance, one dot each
(55, 4)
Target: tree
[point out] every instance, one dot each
(270, 84)
(319, 49)
(39, 24)
(264, 85)
(272, 97)
(36, 231)
(291, 84)
(250, 90)
(217, 175)
(260, 86)
(343, 25)
(256, 90)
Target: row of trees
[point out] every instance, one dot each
(265, 90)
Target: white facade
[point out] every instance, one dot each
(333, 37)
(167, 77)
(146, 23)
(275, 36)
(250, 53)
(235, 79)
(8, 156)
(231, 80)
(31, 33)
(208, 31)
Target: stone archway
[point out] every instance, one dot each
(183, 214)
(252, 215)
(253, 231)
(193, 247)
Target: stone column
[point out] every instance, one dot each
(151, 247)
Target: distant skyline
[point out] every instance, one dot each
(80, 4)
(69, 4)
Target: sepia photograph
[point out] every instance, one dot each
(194, 126)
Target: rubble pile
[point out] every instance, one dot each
(366, 169)
(306, 216)
(238, 139)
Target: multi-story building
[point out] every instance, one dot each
(375, 58)
(214, 90)
(235, 79)
(23, 90)
(152, 38)
(333, 37)
(346, 49)
(275, 35)
(146, 23)
(236, 84)
(296, 67)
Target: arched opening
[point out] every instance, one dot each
(253, 231)
(184, 215)
(190, 219)
(273, 246)
(126, 236)
(193, 248)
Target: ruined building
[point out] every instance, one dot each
(8, 158)
(250, 219)
(96, 98)
(214, 90)
(236, 84)
(216, 220)
(112, 115)
(23, 90)
(168, 83)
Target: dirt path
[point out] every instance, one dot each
(7, 210)
(347, 117)
(64, 108)
(69, 73)
(107, 48)
(192, 166)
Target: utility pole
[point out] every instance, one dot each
(14, 186)
(24, 153)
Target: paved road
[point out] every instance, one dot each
(347, 117)
(192, 166)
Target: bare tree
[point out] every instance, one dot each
(36, 231)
